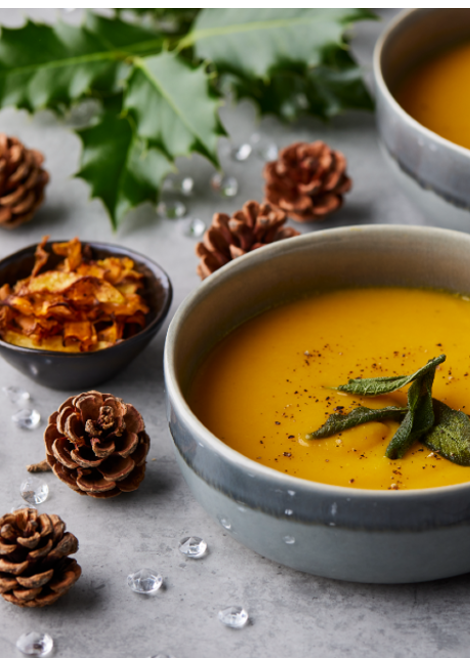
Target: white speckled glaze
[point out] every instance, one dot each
(349, 534)
(431, 170)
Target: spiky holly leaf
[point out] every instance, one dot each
(48, 66)
(120, 167)
(323, 91)
(255, 42)
(172, 106)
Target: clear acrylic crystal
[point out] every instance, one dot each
(194, 227)
(225, 185)
(27, 419)
(144, 581)
(182, 185)
(193, 547)
(234, 617)
(34, 491)
(225, 523)
(171, 209)
(16, 395)
(16, 508)
(269, 152)
(35, 644)
(241, 153)
(288, 539)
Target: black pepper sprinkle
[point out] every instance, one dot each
(287, 454)
(276, 422)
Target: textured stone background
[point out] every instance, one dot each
(293, 614)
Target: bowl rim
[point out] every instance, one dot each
(135, 255)
(175, 394)
(380, 83)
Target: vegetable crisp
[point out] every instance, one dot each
(82, 305)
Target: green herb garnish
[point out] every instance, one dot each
(430, 421)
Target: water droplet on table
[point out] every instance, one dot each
(288, 512)
(144, 581)
(34, 491)
(193, 227)
(27, 419)
(35, 644)
(288, 539)
(225, 185)
(234, 617)
(16, 395)
(241, 153)
(171, 209)
(193, 547)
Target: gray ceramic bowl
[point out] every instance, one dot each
(358, 535)
(71, 371)
(433, 171)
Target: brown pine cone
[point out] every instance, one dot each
(22, 182)
(307, 181)
(34, 568)
(254, 226)
(97, 445)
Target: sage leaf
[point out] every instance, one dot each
(384, 385)
(340, 422)
(450, 436)
(418, 420)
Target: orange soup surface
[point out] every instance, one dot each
(267, 384)
(437, 94)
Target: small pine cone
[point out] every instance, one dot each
(22, 182)
(34, 568)
(254, 226)
(97, 445)
(307, 181)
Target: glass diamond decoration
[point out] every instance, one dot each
(171, 209)
(241, 153)
(193, 547)
(234, 617)
(225, 185)
(35, 644)
(269, 152)
(144, 581)
(16, 508)
(34, 491)
(16, 395)
(193, 227)
(27, 419)
(184, 186)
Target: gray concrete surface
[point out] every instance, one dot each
(292, 614)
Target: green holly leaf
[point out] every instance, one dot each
(120, 167)
(255, 42)
(172, 106)
(48, 66)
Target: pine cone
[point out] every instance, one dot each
(34, 568)
(97, 445)
(229, 237)
(22, 182)
(307, 181)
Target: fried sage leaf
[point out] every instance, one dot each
(450, 436)
(418, 420)
(384, 385)
(339, 422)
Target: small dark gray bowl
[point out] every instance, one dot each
(63, 370)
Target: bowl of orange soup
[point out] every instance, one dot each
(421, 70)
(253, 359)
